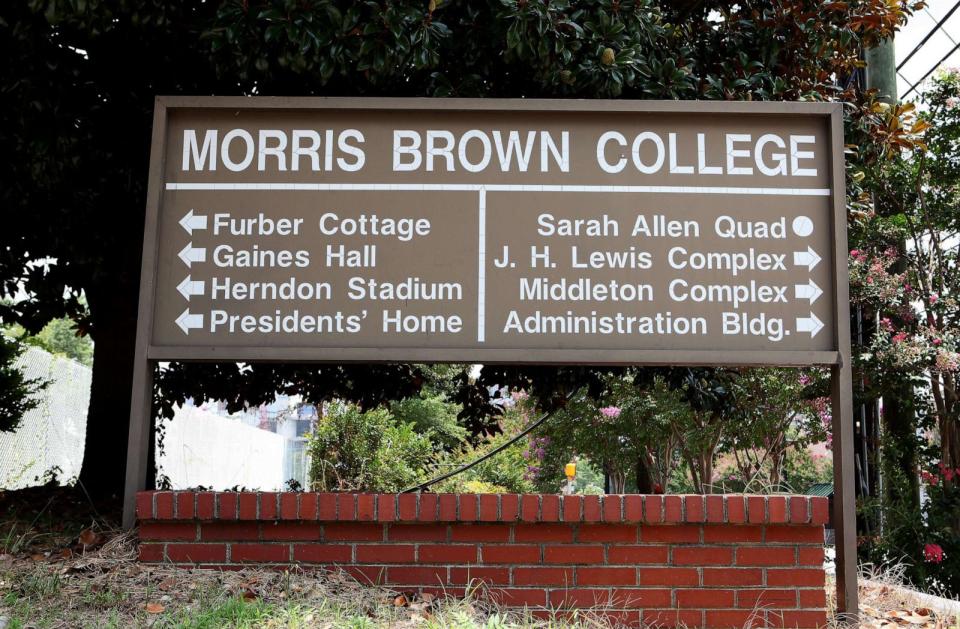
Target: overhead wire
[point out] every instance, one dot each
(923, 41)
(930, 71)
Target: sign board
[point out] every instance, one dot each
(513, 231)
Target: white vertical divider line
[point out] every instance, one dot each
(482, 268)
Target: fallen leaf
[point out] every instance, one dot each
(89, 537)
(400, 601)
(37, 556)
(167, 584)
(154, 608)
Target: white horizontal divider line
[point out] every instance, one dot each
(466, 187)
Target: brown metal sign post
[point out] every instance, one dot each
(512, 231)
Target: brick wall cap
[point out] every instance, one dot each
(801, 511)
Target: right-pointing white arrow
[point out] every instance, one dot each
(188, 321)
(190, 254)
(192, 221)
(189, 287)
(809, 324)
(807, 291)
(808, 258)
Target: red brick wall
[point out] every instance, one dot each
(705, 561)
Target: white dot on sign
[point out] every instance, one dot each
(802, 226)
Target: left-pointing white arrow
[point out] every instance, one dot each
(191, 254)
(189, 287)
(188, 321)
(809, 324)
(192, 221)
(810, 291)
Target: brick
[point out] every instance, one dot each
(766, 556)
(731, 534)
(260, 552)
(664, 618)
(695, 510)
(417, 533)
(672, 509)
(386, 508)
(475, 574)
(625, 533)
(468, 507)
(646, 597)
(206, 506)
(652, 509)
(702, 556)
(819, 510)
(529, 508)
(580, 597)
(448, 507)
(385, 553)
(732, 576)
(361, 532)
(573, 554)
(550, 508)
(168, 531)
(268, 505)
(518, 597)
(419, 575)
(726, 618)
(669, 576)
(150, 552)
(428, 508)
(810, 556)
(799, 511)
(367, 575)
(289, 506)
(543, 533)
(481, 533)
(612, 508)
(292, 531)
(445, 591)
(326, 507)
(509, 508)
(813, 598)
(799, 577)
(366, 507)
(757, 509)
(705, 598)
(196, 553)
(736, 509)
(489, 508)
(407, 507)
(514, 553)
(766, 599)
(226, 505)
(308, 507)
(796, 618)
(247, 508)
(185, 505)
(346, 507)
(777, 509)
(606, 576)
(229, 531)
(164, 505)
(543, 576)
(145, 505)
(591, 508)
(684, 534)
(322, 553)
(637, 554)
(572, 508)
(795, 534)
(447, 553)
(715, 509)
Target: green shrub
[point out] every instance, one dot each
(355, 450)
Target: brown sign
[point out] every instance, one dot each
(514, 231)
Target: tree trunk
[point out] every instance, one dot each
(105, 452)
(644, 475)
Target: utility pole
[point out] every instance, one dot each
(882, 70)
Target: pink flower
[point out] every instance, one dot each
(899, 337)
(805, 380)
(937, 341)
(886, 324)
(933, 298)
(610, 411)
(928, 477)
(933, 553)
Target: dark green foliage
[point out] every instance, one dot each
(18, 394)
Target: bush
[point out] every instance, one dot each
(355, 450)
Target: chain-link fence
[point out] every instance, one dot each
(51, 438)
